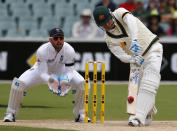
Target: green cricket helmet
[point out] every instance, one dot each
(101, 15)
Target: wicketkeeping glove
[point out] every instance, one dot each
(64, 85)
(59, 85)
(53, 84)
(136, 48)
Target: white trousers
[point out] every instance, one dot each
(32, 78)
(149, 82)
(153, 58)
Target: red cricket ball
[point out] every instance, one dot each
(130, 99)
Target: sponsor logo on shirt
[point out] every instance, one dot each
(17, 84)
(123, 44)
(61, 58)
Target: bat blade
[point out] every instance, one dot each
(132, 90)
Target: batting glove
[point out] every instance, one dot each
(137, 59)
(135, 48)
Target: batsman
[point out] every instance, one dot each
(130, 41)
(55, 67)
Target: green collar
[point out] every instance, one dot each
(124, 33)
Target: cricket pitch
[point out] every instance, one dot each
(107, 126)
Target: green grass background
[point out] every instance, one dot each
(40, 103)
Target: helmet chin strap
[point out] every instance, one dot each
(113, 18)
(104, 28)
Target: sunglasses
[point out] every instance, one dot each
(57, 38)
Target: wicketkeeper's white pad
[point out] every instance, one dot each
(79, 105)
(16, 96)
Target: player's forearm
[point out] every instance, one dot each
(45, 77)
(124, 58)
(43, 71)
(69, 72)
(130, 20)
(119, 53)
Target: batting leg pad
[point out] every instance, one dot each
(146, 95)
(16, 96)
(145, 103)
(150, 81)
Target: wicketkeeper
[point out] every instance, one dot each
(129, 40)
(54, 66)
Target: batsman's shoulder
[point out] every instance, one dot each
(120, 11)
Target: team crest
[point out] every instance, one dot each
(101, 17)
(61, 58)
(123, 44)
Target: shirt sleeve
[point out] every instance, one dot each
(120, 53)
(42, 65)
(69, 72)
(130, 20)
(69, 61)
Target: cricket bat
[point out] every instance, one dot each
(133, 89)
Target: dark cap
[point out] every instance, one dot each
(56, 32)
(101, 15)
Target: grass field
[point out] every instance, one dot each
(41, 104)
